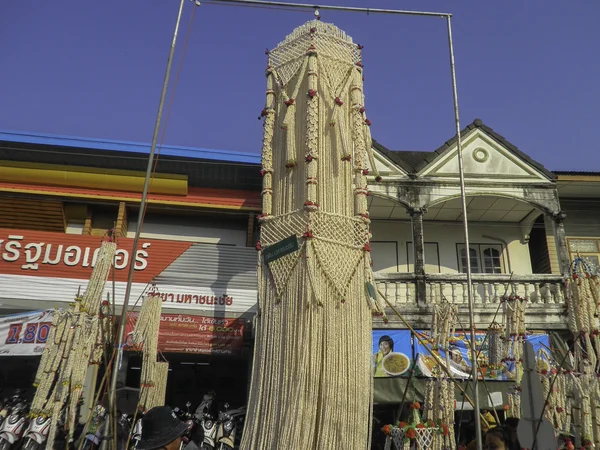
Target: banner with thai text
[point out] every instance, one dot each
(52, 267)
(392, 353)
(25, 334)
(460, 356)
(181, 333)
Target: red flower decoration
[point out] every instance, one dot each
(263, 113)
(308, 235)
(402, 424)
(411, 433)
(386, 429)
(385, 320)
(289, 102)
(420, 425)
(309, 158)
(263, 172)
(378, 178)
(505, 407)
(360, 64)
(365, 172)
(290, 164)
(544, 372)
(347, 158)
(559, 409)
(312, 93)
(362, 109)
(343, 300)
(575, 276)
(367, 248)
(360, 47)
(368, 122)
(338, 101)
(258, 247)
(104, 302)
(313, 30)
(415, 405)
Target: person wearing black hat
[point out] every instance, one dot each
(161, 429)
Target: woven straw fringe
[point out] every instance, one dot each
(153, 380)
(312, 380)
(75, 341)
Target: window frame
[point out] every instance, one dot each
(574, 254)
(480, 248)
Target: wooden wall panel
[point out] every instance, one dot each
(28, 214)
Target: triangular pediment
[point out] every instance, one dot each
(484, 159)
(386, 163)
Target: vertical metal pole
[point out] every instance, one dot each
(475, 365)
(140, 220)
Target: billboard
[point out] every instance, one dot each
(200, 335)
(25, 334)
(460, 356)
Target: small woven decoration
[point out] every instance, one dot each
(75, 341)
(153, 380)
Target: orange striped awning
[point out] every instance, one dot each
(197, 197)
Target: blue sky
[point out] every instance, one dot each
(529, 68)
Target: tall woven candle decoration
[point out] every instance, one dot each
(583, 300)
(312, 380)
(75, 341)
(439, 393)
(153, 381)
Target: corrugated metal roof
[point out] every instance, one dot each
(217, 266)
(125, 146)
(200, 172)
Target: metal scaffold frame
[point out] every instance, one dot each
(151, 158)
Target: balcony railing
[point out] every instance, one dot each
(488, 289)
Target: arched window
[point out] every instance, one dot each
(485, 258)
(492, 262)
(474, 254)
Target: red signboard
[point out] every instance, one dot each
(60, 255)
(182, 333)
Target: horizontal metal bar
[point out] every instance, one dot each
(334, 8)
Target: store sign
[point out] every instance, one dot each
(180, 333)
(460, 356)
(46, 254)
(392, 353)
(25, 334)
(196, 299)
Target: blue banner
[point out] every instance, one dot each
(460, 361)
(392, 353)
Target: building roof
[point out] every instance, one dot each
(126, 146)
(203, 167)
(413, 162)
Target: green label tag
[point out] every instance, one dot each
(280, 249)
(371, 290)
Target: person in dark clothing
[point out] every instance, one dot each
(161, 429)
(501, 438)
